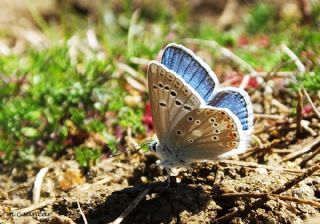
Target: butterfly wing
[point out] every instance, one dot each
(238, 102)
(170, 98)
(205, 134)
(191, 68)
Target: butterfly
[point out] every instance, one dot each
(193, 118)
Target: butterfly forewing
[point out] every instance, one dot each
(171, 99)
(191, 68)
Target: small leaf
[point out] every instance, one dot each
(29, 132)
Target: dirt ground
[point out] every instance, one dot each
(195, 197)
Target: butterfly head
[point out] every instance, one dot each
(153, 146)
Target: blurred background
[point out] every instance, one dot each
(73, 72)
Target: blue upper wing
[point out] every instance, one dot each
(191, 68)
(238, 102)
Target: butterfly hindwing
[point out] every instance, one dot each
(238, 102)
(191, 68)
(206, 133)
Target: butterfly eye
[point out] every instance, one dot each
(190, 118)
(216, 131)
(155, 86)
(173, 93)
(166, 87)
(153, 146)
(197, 122)
(215, 124)
(160, 84)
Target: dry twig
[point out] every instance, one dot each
(256, 165)
(82, 214)
(134, 204)
(270, 116)
(305, 93)
(37, 185)
(34, 207)
(310, 146)
(299, 115)
(309, 157)
(262, 148)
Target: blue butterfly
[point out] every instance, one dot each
(194, 119)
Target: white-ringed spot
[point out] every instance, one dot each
(163, 104)
(190, 118)
(179, 132)
(173, 93)
(178, 103)
(187, 107)
(215, 138)
(212, 120)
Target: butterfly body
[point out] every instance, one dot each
(194, 120)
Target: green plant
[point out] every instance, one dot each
(260, 17)
(87, 157)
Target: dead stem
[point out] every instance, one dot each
(256, 165)
(82, 214)
(260, 202)
(37, 184)
(270, 116)
(305, 125)
(274, 196)
(299, 115)
(263, 148)
(309, 157)
(281, 106)
(310, 146)
(133, 204)
(35, 206)
(305, 93)
(294, 57)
